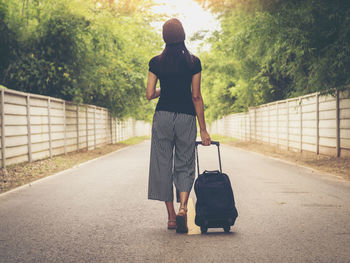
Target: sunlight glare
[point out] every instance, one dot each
(193, 17)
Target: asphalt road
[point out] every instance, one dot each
(99, 212)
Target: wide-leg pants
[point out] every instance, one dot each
(172, 154)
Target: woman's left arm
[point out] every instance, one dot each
(151, 91)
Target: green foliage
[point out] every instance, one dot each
(7, 40)
(97, 51)
(275, 49)
(87, 51)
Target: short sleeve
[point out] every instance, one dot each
(197, 67)
(153, 66)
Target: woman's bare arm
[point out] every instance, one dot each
(151, 91)
(199, 106)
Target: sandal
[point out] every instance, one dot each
(181, 221)
(171, 224)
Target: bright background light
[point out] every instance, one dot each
(193, 17)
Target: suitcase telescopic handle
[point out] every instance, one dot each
(214, 143)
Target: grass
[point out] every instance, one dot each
(223, 139)
(135, 140)
(23, 173)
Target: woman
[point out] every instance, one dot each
(174, 128)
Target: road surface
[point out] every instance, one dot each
(99, 212)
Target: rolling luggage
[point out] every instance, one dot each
(215, 206)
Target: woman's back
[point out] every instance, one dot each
(175, 68)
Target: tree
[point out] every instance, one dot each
(80, 51)
(277, 49)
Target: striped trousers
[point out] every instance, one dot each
(172, 154)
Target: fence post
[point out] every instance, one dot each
(245, 127)
(94, 127)
(250, 126)
(3, 146)
(30, 157)
(87, 126)
(301, 123)
(240, 121)
(338, 124)
(116, 129)
(49, 124)
(278, 125)
(119, 131)
(287, 125)
(134, 128)
(77, 117)
(64, 127)
(268, 123)
(255, 127)
(111, 123)
(122, 130)
(317, 123)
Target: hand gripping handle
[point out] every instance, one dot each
(212, 142)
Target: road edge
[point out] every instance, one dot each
(62, 172)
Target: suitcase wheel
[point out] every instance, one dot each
(227, 229)
(204, 229)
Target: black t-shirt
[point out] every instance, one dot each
(176, 94)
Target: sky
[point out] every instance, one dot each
(193, 17)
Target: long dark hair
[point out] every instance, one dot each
(175, 59)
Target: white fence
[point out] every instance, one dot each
(313, 123)
(35, 127)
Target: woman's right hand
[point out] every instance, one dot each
(205, 137)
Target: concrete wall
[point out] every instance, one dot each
(35, 127)
(313, 123)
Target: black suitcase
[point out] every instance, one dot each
(215, 206)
